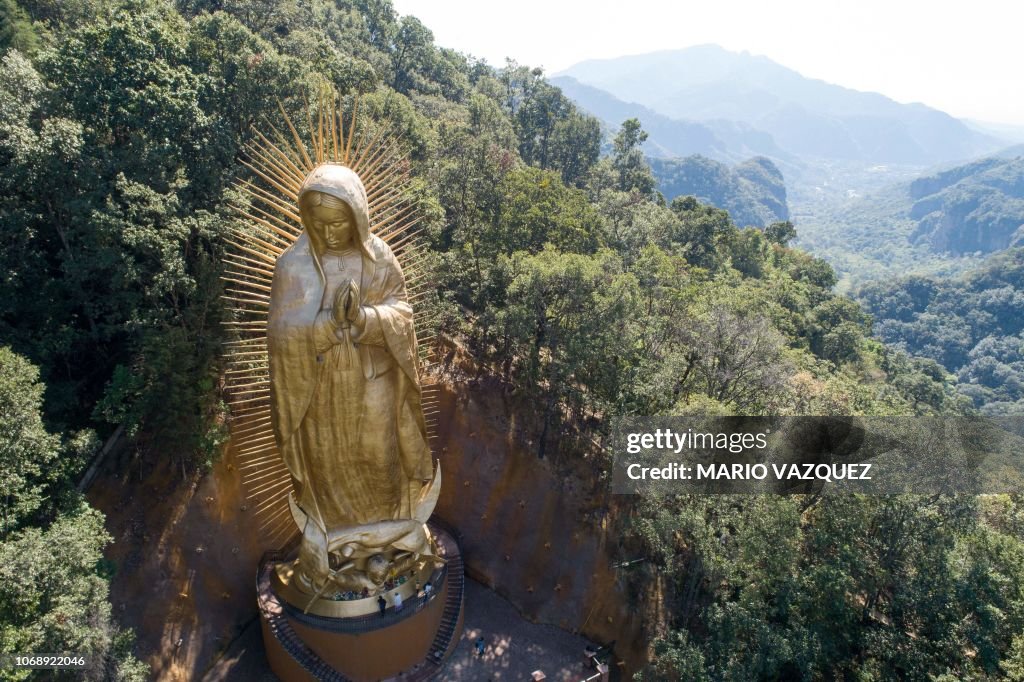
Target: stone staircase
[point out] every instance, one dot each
(443, 641)
(274, 614)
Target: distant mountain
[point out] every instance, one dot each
(1010, 152)
(804, 116)
(753, 192)
(1006, 131)
(728, 141)
(970, 208)
(941, 223)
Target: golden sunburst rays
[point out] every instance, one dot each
(279, 159)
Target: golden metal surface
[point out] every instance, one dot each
(284, 581)
(323, 373)
(345, 397)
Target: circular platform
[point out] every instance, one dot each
(409, 644)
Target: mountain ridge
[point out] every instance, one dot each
(805, 116)
(721, 140)
(753, 192)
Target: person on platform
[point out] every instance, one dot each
(382, 604)
(398, 601)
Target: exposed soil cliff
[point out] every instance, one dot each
(538, 531)
(186, 553)
(541, 532)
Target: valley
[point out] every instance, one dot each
(890, 195)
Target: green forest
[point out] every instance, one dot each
(971, 324)
(563, 270)
(977, 207)
(754, 192)
(935, 262)
(942, 223)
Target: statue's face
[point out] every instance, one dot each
(334, 222)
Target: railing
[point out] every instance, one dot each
(277, 622)
(277, 613)
(445, 637)
(453, 601)
(369, 622)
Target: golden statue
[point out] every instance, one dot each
(332, 371)
(344, 389)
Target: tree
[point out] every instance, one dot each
(538, 209)
(749, 252)
(379, 17)
(563, 331)
(16, 29)
(737, 358)
(675, 658)
(28, 452)
(814, 271)
(266, 18)
(412, 52)
(702, 234)
(629, 138)
(781, 233)
(242, 78)
(52, 596)
(53, 599)
(59, 14)
(112, 220)
(552, 132)
(837, 329)
(576, 146)
(880, 565)
(628, 159)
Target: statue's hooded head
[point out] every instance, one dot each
(342, 184)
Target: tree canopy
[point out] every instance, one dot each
(563, 272)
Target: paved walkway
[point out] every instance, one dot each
(514, 647)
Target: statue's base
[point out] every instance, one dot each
(410, 644)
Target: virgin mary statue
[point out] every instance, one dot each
(345, 394)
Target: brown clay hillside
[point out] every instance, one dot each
(540, 532)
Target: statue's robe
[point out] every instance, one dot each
(346, 413)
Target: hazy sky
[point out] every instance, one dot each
(963, 57)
